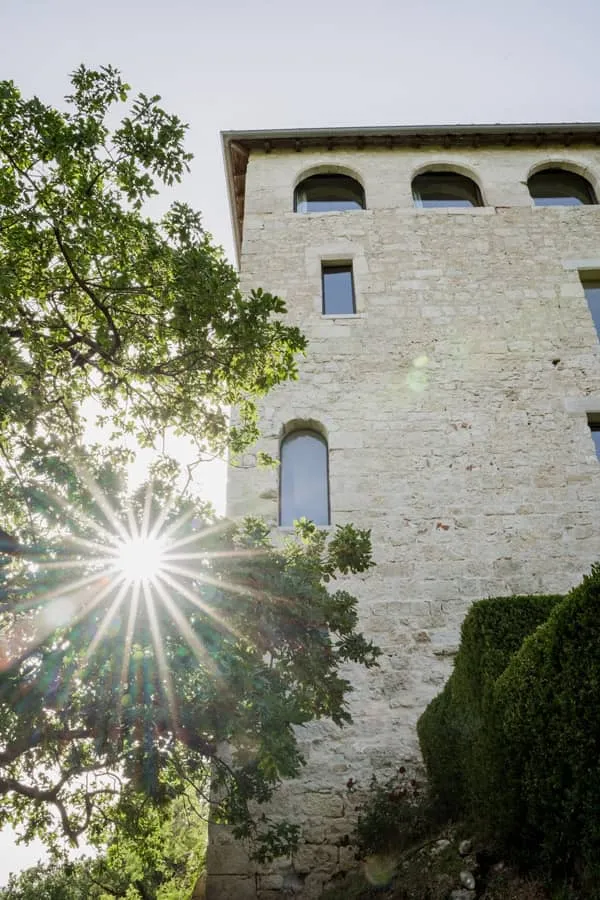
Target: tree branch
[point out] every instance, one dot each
(51, 796)
(98, 303)
(18, 748)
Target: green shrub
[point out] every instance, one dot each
(397, 813)
(547, 708)
(515, 737)
(440, 739)
(457, 730)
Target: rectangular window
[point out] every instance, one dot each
(338, 290)
(591, 287)
(594, 423)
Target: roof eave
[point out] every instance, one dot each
(238, 144)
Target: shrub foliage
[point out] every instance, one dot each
(397, 814)
(457, 731)
(514, 738)
(547, 705)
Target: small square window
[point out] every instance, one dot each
(594, 423)
(338, 290)
(591, 288)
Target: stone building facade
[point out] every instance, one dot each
(457, 401)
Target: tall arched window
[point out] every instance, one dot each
(327, 192)
(435, 189)
(557, 187)
(304, 478)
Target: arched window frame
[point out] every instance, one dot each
(558, 168)
(294, 431)
(348, 177)
(440, 171)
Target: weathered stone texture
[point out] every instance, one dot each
(448, 407)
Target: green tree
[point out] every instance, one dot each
(164, 861)
(97, 299)
(118, 693)
(53, 881)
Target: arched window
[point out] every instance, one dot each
(557, 187)
(433, 189)
(330, 191)
(304, 478)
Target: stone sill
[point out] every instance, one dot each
(328, 212)
(588, 208)
(585, 209)
(426, 211)
(344, 316)
(289, 529)
(455, 211)
(590, 404)
(574, 265)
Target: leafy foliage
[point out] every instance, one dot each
(524, 737)
(546, 704)
(164, 861)
(397, 814)
(118, 697)
(113, 695)
(96, 299)
(53, 881)
(457, 730)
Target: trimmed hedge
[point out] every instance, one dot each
(457, 730)
(547, 709)
(514, 739)
(439, 730)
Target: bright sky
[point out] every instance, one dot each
(231, 64)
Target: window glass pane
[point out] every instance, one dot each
(592, 295)
(440, 189)
(338, 290)
(324, 193)
(555, 187)
(304, 478)
(595, 429)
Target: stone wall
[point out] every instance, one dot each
(454, 403)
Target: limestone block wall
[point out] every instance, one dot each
(454, 404)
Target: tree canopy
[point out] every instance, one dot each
(99, 300)
(119, 689)
(163, 861)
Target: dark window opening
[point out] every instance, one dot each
(304, 478)
(591, 289)
(557, 187)
(445, 189)
(594, 423)
(338, 290)
(324, 193)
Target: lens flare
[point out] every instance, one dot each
(141, 559)
(379, 870)
(136, 566)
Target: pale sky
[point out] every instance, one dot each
(314, 63)
(276, 64)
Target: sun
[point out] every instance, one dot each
(141, 559)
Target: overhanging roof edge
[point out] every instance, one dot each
(270, 138)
